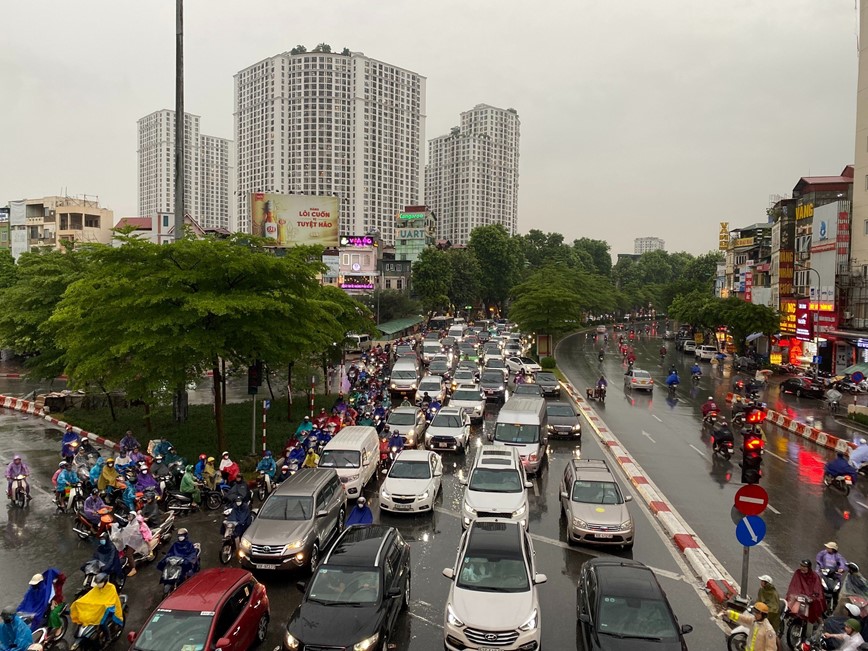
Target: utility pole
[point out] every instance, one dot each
(179, 119)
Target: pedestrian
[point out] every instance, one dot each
(768, 594)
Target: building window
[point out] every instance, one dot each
(866, 227)
(399, 283)
(165, 221)
(388, 283)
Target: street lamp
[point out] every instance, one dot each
(799, 265)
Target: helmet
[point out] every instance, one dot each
(761, 607)
(266, 454)
(238, 501)
(307, 418)
(158, 458)
(225, 454)
(361, 501)
(36, 579)
(8, 613)
(284, 467)
(852, 568)
(182, 531)
(17, 457)
(806, 563)
(711, 397)
(210, 459)
(853, 610)
(94, 492)
(62, 464)
(203, 457)
(110, 461)
(100, 579)
(861, 442)
(766, 578)
(853, 624)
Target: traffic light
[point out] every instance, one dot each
(752, 459)
(254, 377)
(755, 415)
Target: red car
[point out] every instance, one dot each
(222, 607)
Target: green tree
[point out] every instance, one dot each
(8, 270)
(743, 318)
(546, 303)
(500, 261)
(432, 279)
(392, 303)
(465, 287)
(598, 251)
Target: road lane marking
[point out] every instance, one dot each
(426, 620)
(863, 505)
(535, 488)
(659, 420)
(773, 509)
(644, 433)
(765, 546)
(776, 456)
(699, 452)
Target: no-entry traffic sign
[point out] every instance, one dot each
(751, 499)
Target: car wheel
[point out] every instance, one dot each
(314, 557)
(262, 629)
(406, 599)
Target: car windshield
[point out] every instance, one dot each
(516, 433)
(399, 418)
(467, 348)
(526, 389)
(447, 420)
(339, 459)
(496, 480)
(546, 377)
(175, 630)
(404, 350)
(641, 375)
(495, 362)
(465, 374)
(430, 387)
(596, 492)
(432, 348)
(493, 377)
(404, 375)
(635, 618)
(559, 410)
(438, 365)
(490, 572)
(410, 470)
(287, 507)
(332, 585)
(472, 396)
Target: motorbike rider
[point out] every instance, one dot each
(672, 381)
(303, 429)
(92, 505)
(160, 468)
(361, 513)
(42, 596)
(66, 479)
(768, 595)
(311, 459)
(69, 443)
(150, 510)
(722, 433)
(829, 558)
(184, 548)
(171, 456)
(136, 456)
(807, 582)
(101, 606)
(267, 465)
(840, 466)
(146, 482)
(241, 515)
(663, 352)
(129, 442)
(228, 468)
(96, 471)
(852, 637)
(696, 370)
(14, 469)
(15, 635)
(283, 475)
(709, 406)
(189, 487)
(108, 478)
(107, 554)
(762, 636)
(859, 456)
(239, 490)
(396, 441)
(210, 474)
(199, 468)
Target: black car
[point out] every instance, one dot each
(563, 420)
(493, 385)
(620, 603)
(802, 386)
(744, 364)
(356, 593)
(549, 384)
(529, 389)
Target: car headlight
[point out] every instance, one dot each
(385, 493)
(245, 544)
(578, 522)
(291, 642)
(519, 511)
(425, 495)
(367, 643)
(451, 617)
(577, 427)
(532, 621)
(353, 477)
(297, 544)
(394, 386)
(550, 428)
(626, 525)
(413, 385)
(501, 387)
(469, 508)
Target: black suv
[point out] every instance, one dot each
(493, 385)
(620, 603)
(355, 595)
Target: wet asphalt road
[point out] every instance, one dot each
(37, 538)
(665, 437)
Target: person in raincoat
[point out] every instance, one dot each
(769, 596)
(40, 595)
(807, 582)
(189, 487)
(96, 471)
(108, 478)
(210, 474)
(361, 513)
(146, 482)
(107, 553)
(100, 606)
(15, 635)
(69, 444)
(129, 442)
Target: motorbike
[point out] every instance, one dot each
(722, 448)
(46, 637)
(598, 394)
(91, 569)
(19, 491)
(841, 483)
(159, 536)
(263, 485)
(95, 637)
(230, 540)
(73, 500)
(85, 528)
(795, 624)
(831, 580)
(737, 638)
(179, 503)
(173, 573)
(710, 418)
(672, 387)
(600, 356)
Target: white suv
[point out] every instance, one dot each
(497, 487)
(705, 353)
(493, 601)
(449, 430)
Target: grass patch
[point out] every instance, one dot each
(199, 433)
(862, 419)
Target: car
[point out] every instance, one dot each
(464, 376)
(689, 346)
(492, 352)
(595, 508)
(493, 385)
(601, 329)
(431, 335)
(448, 343)
(498, 363)
(527, 389)
(450, 430)
(356, 595)
(410, 423)
(668, 335)
(680, 338)
(217, 608)
(705, 353)
(638, 379)
(549, 384)
(439, 367)
(563, 420)
(412, 483)
(430, 349)
(434, 386)
(744, 364)
(803, 387)
(405, 350)
(468, 351)
(496, 487)
(512, 349)
(493, 601)
(484, 336)
(470, 398)
(620, 603)
(296, 522)
(526, 364)
(470, 365)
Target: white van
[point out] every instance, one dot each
(457, 331)
(404, 378)
(354, 453)
(522, 423)
(357, 343)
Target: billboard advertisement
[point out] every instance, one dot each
(823, 257)
(333, 266)
(786, 267)
(804, 322)
(295, 219)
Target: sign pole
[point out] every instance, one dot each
(745, 571)
(312, 389)
(253, 432)
(265, 406)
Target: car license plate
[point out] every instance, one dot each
(488, 648)
(442, 445)
(402, 507)
(604, 535)
(265, 566)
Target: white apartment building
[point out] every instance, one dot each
(208, 182)
(644, 244)
(324, 123)
(471, 178)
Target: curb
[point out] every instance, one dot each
(719, 584)
(29, 407)
(21, 376)
(813, 434)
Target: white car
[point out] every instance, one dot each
(434, 386)
(526, 364)
(492, 352)
(493, 601)
(512, 349)
(497, 363)
(705, 353)
(497, 487)
(689, 346)
(450, 430)
(471, 399)
(464, 376)
(413, 481)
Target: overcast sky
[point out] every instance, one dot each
(638, 117)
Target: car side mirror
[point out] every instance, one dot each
(628, 498)
(528, 484)
(449, 573)
(539, 578)
(385, 471)
(583, 617)
(686, 628)
(394, 591)
(462, 481)
(131, 636)
(438, 473)
(564, 495)
(301, 585)
(223, 643)
(322, 514)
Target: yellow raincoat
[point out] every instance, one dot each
(108, 477)
(93, 608)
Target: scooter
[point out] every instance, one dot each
(73, 501)
(263, 485)
(91, 569)
(173, 573)
(159, 536)
(19, 491)
(831, 580)
(230, 542)
(841, 483)
(722, 448)
(96, 637)
(46, 637)
(84, 528)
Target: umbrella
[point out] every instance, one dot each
(833, 395)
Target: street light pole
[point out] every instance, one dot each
(814, 313)
(179, 119)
